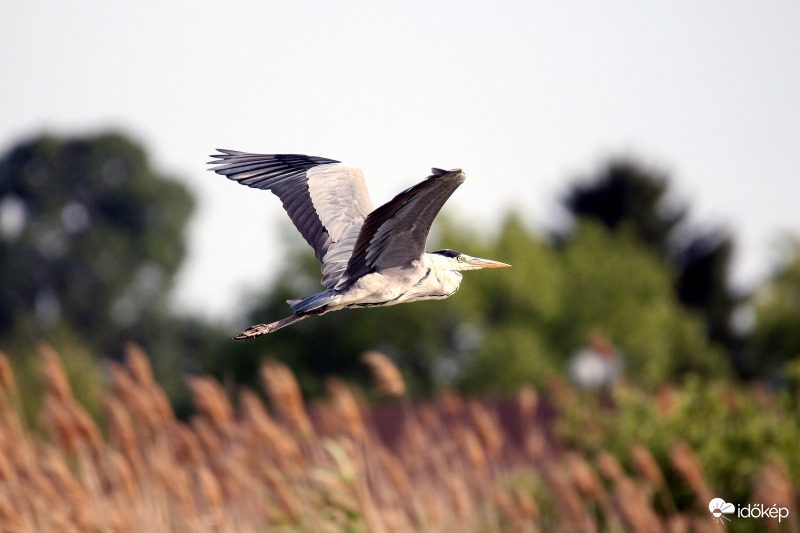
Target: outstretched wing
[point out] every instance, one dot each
(395, 234)
(327, 201)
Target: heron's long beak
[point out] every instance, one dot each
(477, 262)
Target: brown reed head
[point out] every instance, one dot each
(285, 396)
(527, 401)
(646, 465)
(450, 403)
(774, 486)
(584, 477)
(608, 466)
(635, 506)
(260, 427)
(665, 399)
(487, 428)
(474, 451)
(688, 466)
(120, 428)
(535, 444)
(212, 401)
(209, 488)
(137, 399)
(7, 381)
(58, 420)
(138, 364)
(55, 377)
(184, 443)
(347, 408)
(388, 379)
(85, 425)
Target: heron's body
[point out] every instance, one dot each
(370, 257)
(427, 279)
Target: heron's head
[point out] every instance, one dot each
(459, 261)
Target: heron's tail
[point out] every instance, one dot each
(312, 303)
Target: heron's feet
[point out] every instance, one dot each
(263, 329)
(255, 331)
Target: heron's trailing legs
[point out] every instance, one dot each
(263, 329)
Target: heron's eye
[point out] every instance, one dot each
(461, 258)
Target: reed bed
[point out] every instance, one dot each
(250, 466)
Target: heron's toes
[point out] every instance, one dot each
(254, 331)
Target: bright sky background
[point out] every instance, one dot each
(523, 96)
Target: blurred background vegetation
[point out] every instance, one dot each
(91, 237)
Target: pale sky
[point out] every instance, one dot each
(523, 96)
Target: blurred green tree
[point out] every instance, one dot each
(598, 280)
(90, 239)
(625, 195)
(776, 336)
(703, 266)
(91, 236)
(622, 288)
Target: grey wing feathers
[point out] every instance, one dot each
(326, 201)
(395, 234)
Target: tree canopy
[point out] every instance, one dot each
(91, 236)
(626, 195)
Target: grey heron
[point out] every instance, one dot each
(370, 257)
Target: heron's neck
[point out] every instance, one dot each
(441, 269)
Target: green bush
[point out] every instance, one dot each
(734, 431)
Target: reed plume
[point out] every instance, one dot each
(346, 409)
(7, 381)
(646, 464)
(285, 396)
(55, 377)
(388, 379)
(212, 401)
(688, 466)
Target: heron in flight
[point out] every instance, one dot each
(370, 257)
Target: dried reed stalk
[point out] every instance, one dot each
(285, 396)
(609, 467)
(347, 409)
(136, 398)
(388, 379)
(139, 365)
(265, 431)
(55, 377)
(7, 381)
(212, 401)
(487, 429)
(584, 477)
(527, 401)
(122, 434)
(635, 507)
(688, 466)
(647, 465)
(773, 487)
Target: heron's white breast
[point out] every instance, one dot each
(386, 286)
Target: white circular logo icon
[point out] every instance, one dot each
(718, 507)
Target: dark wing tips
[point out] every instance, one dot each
(287, 161)
(436, 172)
(222, 156)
